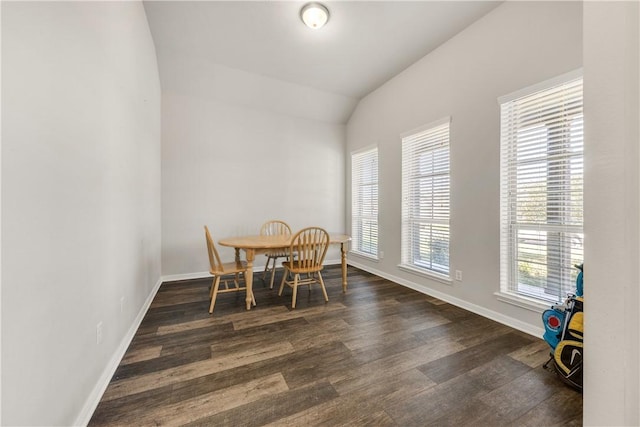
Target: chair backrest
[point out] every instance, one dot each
(275, 228)
(310, 244)
(214, 259)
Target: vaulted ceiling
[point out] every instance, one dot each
(364, 44)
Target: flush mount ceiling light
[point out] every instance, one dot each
(314, 15)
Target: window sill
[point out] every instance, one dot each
(523, 302)
(428, 274)
(364, 255)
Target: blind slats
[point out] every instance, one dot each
(364, 202)
(425, 199)
(542, 191)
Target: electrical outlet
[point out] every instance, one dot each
(381, 254)
(121, 305)
(99, 333)
(459, 275)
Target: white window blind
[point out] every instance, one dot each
(425, 199)
(364, 202)
(542, 191)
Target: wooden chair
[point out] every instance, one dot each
(310, 244)
(274, 228)
(219, 269)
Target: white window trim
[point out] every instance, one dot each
(554, 81)
(370, 257)
(420, 129)
(523, 301)
(428, 273)
(353, 250)
(432, 275)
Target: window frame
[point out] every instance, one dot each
(552, 157)
(427, 192)
(358, 158)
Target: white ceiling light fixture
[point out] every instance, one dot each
(314, 15)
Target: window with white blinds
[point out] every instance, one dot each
(541, 191)
(425, 199)
(364, 202)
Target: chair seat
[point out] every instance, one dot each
(290, 266)
(230, 268)
(281, 254)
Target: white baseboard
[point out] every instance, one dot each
(205, 274)
(474, 308)
(96, 394)
(185, 276)
(197, 275)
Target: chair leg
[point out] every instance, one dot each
(216, 284)
(273, 273)
(284, 278)
(324, 291)
(213, 285)
(295, 290)
(266, 268)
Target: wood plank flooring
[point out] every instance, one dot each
(381, 355)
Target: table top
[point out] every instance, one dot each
(272, 242)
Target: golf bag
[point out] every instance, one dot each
(564, 332)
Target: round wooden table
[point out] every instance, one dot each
(256, 244)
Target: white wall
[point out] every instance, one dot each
(612, 214)
(514, 46)
(239, 149)
(80, 200)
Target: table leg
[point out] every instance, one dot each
(249, 277)
(343, 251)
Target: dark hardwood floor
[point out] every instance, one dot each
(380, 355)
